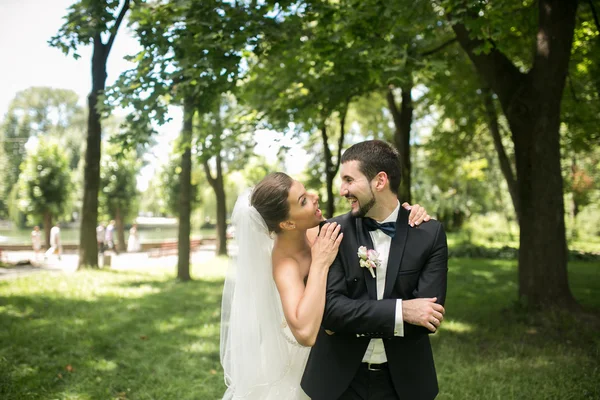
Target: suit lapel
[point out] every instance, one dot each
(396, 251)
(364, 239)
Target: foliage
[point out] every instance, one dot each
(225, 130)
(85, 22)
(45, 182)
(118, 185)
(168, 184)
(38, 112)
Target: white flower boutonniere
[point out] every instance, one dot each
(368, 259)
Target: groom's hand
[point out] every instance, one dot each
(423, 312)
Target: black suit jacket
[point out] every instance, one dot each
(417, 268)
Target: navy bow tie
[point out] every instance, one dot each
(389, 228)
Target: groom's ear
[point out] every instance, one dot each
(380, 180)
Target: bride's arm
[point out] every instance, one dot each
(303, 306)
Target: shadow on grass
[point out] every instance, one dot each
(147, 338)
(488, 347)
(132, 335)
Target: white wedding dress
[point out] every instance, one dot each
(261, 358)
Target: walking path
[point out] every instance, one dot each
(68, 262)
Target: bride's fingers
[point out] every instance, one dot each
(339, 240)
(331, 229)
(336, 231)
(324, 229)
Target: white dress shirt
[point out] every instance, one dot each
(375, 353)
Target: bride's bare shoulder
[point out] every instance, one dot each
(286, 270)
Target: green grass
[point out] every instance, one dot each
(143, 335)
(104, 335)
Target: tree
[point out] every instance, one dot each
(224, 143)
(300, 74)
(531, 103)
(87, 21)
(119, 196)
(397, 37)
(38, 112)
(192, 55)
(45, 184)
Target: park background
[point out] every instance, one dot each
(162, 112)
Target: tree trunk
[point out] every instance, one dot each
(329, 173)
(531, 103)
(185, 196)
(120, 229)
(47, 227)
(221, 209)
(505, 164)
(574, 200)
(402, 122)
(218, 185)
(331, 167)
(88, 247)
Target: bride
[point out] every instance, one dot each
(274, 293)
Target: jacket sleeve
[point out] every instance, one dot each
(433, 280)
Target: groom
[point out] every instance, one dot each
(373, 342)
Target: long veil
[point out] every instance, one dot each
(254, 353)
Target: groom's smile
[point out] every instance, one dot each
(356, 188)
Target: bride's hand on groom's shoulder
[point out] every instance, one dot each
(326, 245)
(423, 312)
(417, 214)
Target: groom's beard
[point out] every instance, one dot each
(362, 210)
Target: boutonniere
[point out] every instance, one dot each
(368, 259)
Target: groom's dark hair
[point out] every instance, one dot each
(375, 156)
(270, 198)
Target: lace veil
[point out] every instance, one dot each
(254, 353)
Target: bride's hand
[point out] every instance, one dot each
(326, 245)
(417, 215)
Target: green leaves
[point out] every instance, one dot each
(118, 185)
(86, 20)
(45, 184)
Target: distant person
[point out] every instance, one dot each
(100, 238)
(55, 242)
(133, 243)
(109, 237)
(36, 240)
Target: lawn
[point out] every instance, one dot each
(142, 335)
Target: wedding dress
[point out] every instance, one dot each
(261, 358)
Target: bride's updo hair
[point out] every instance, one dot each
(270, 198)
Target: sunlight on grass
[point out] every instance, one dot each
(170, 325)
(23, 371)
(202, 347)
(489, 275)
(104, 365)
(144, 335)
(456, 326)
(12, 311)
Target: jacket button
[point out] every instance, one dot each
(355, 279)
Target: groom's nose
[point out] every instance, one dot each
(343, 190)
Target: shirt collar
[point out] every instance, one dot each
(393, 217)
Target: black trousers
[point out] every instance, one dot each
(370, 385)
